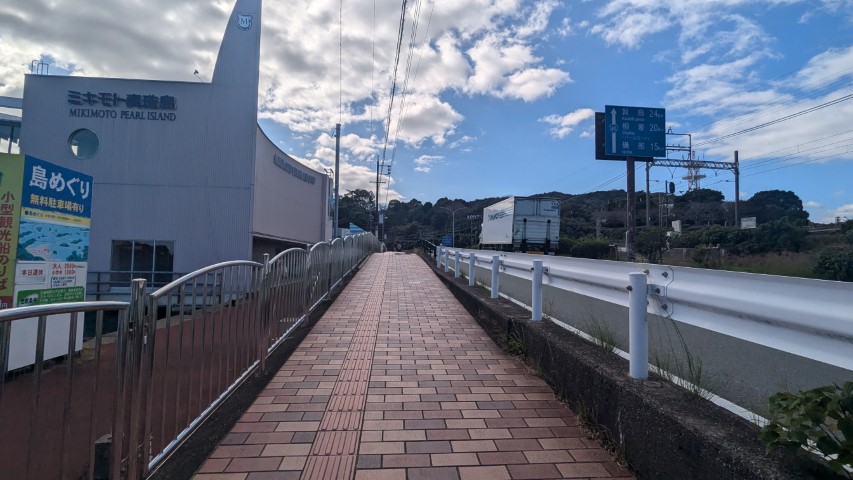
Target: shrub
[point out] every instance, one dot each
(819, 419)
(651, 242)
(564, 247)
(835, 263)
(591, 247)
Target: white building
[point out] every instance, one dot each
(184, 176)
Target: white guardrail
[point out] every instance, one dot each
(806, 317)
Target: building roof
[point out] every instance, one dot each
(6, 118)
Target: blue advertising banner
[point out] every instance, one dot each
(51, 188)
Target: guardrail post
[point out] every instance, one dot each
(437, 256)
(638, 330)
(472, 260)
(446, 260)
(496, 263)
(536, 299)
(456, 272)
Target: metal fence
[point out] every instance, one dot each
(118, 404)
(809, 318)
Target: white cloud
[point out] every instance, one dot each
(537, 18)
(563, 125)
(424, 163)
(479, 47)
(461, 141)
(534, 83)
(812, 204)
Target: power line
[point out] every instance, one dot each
(404, 104)
(394, 80)
(782, 101)
(778, 120)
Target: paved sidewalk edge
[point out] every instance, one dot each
(662, 431)
(190, 456)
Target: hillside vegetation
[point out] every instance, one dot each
(592, 225)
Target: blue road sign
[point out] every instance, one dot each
(447, 240)
(634, 131)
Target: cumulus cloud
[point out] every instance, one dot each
(320, 65)
(563, 125)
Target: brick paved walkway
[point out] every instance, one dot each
(397, 381)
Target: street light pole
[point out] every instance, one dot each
(453, 224)
(337, 175)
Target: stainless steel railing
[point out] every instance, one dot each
(64, 403)
(176, 355)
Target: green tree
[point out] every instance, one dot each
(356, 206)
(771, 205)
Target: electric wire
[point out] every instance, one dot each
(394, 81)
(778, 120)
(808, 90)
(404, 103)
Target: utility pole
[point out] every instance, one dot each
(632, 210)
(648, 169)
(337, 176)
(378, 182)
(737, 191)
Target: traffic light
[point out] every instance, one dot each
(670, 186)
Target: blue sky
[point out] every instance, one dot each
(499, 94)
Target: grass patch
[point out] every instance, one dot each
(603, 334)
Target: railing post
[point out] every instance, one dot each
(438, 256)
(138, 395)
(536, 302)
(446, 260)
(263, 331)
(638, 331)
(472, 260)
(496, 263)
(456, 272)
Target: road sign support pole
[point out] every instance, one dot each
(631, 222)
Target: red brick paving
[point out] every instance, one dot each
(398, 382)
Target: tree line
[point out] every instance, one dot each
(592, 223)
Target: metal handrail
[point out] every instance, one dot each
(18, 313)
(807, 317)
(174, 364)
(203, 271)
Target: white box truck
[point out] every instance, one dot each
(522, 224)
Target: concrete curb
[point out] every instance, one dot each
(662, 430)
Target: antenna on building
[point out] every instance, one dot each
(38, 67)
(195, 72)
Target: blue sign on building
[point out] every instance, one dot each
(635, 131)
(51, 188)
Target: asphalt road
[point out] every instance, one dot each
(741, 372)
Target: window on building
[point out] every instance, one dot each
(149, 259)
(83, 143)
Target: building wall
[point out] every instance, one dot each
(183, 174)
(291, 200)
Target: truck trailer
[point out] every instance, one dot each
(522, 224)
